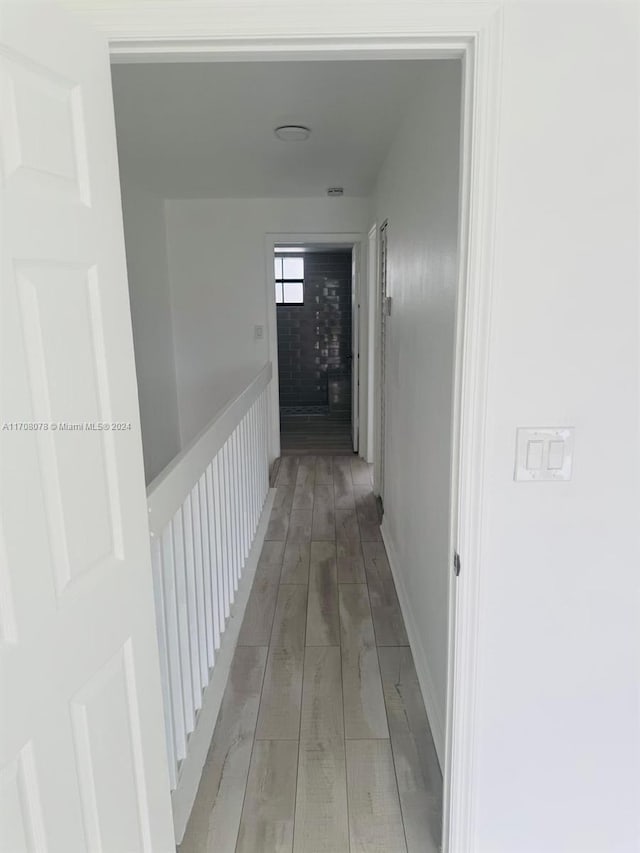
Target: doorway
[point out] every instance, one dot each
(462, 46)
(213, 241)
(314, 321)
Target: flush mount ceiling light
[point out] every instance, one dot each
(293, 132)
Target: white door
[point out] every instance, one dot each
(355, 350)
(82, 758)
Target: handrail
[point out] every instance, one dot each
(168, 490)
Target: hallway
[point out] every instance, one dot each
(322, 742)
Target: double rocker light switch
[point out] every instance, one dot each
(544, 453)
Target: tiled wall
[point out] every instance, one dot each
(314, 339)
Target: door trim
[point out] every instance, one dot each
(193, 30)
(380, 342)
(370, 384)
(358, 437)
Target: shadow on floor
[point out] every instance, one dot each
(315, 433)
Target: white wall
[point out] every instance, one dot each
(558, 767)
(145, 238)
(219, 270)
(418, 193)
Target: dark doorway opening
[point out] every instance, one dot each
(314, 349)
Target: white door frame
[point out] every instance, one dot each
(371, 344)
(379, 356)
(193, 30)
(356, 361)
(346, 240)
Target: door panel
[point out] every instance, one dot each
(76, 468)
(82, 756)
(107, 703)
(22, 825)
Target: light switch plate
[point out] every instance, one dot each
(258, 332)
(544, 453)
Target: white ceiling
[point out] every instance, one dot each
(206, 129)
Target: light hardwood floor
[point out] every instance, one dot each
(322, 744)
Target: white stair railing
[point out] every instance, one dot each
(204, 510)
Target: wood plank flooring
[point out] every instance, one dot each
(319, 434)
(322, 744)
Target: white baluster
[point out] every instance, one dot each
(231, 569)
(265, 444)
(256, 472)
(163, 647)
(264, 465)
(246, 489)
(208, 568)
(258, 452)
(235, 503)
(217, 591)
(225, 505)
(251, 451)
(263, 448)
(200, 591)
(183, 619)
(173, 643)
(192, 601)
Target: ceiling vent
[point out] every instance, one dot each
(292, 132)
(335, 191)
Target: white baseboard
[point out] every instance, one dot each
(183, 797)
(420, 658)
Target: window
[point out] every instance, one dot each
(289, 280)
